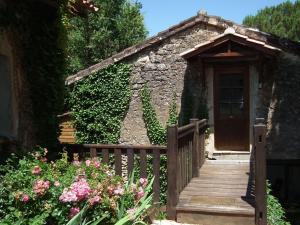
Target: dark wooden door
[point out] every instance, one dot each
(231, 108)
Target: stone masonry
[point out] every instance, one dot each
(163, 70)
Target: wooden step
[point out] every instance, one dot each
(203, 218)
(221, 195)
(209, 180)
(217, 209)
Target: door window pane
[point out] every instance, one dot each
(231, 94)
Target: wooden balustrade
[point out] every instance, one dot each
(186, 155)
(117, 151)
(260, 172)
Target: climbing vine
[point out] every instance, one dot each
(157, 134)
(99, 103)
(155, 130)
(37, 32)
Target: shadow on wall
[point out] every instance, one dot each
(284, 111)
(194, 95)
(283, 150)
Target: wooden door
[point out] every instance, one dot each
(231, 108)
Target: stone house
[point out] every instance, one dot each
(232, 73)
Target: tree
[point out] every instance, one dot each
(117, 25)
(282, 20)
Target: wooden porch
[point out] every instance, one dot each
(214, 192)
(200, 191)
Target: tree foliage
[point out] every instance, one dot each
(118, 24)
(282, 20)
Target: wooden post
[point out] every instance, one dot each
(118, 161)
(143, 163)
(172, 154)
(196, 150)
(260, 174)
(93, 152)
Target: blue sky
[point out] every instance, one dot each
(161, 14)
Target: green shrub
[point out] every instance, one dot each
(275, 212)
(37, 192)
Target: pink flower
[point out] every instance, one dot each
(76, 163)
(36, 170)
(119, 191)
(94, 200)
(74, 211)
(56, 184)
(68, 196)
(81, 188)
(78, 191)
(43, 159)
(143, 182)
(25, 198)
(40, 187)
(110, 190)
(140, 193)
(88, 162)
(97, 164)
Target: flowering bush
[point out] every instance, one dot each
(41, 192)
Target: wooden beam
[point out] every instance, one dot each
(260, 174)
(172, 161)
(228, 54)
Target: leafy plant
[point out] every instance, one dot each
(157, 134)
(155, 130)
(99, 103)
(37, 192)
(275, 212)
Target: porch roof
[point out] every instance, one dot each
(230, 35)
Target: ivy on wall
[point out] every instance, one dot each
(99, 104)
(157, 134)
(38, 35)
(155, 130)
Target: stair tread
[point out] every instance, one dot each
(216, 209)
(216, 202)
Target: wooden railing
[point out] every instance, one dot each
(185, 157)
(117, 151)
(260, 172)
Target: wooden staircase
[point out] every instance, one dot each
(221, 195)
(214, 192)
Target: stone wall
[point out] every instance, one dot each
(284, 109)
(165, 72)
